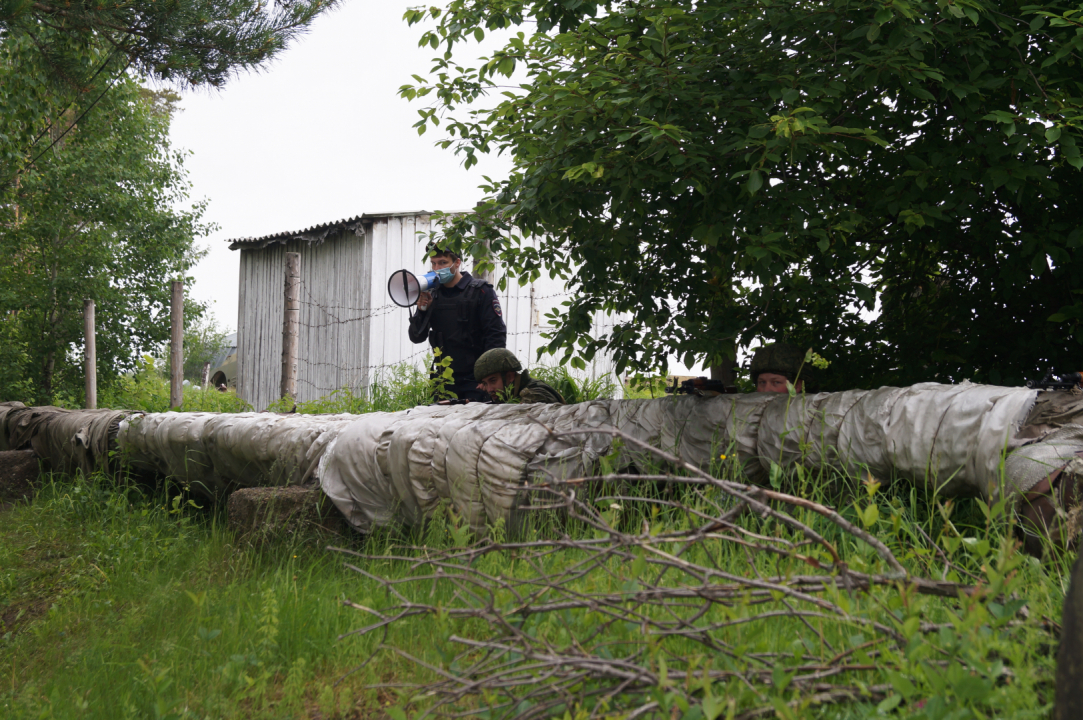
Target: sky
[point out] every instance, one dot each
(318, 135)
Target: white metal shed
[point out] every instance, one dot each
(350, 329)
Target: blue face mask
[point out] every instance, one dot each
(445, 274)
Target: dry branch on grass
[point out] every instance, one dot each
(650, 621)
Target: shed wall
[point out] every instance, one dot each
(351, 332)
(331, 342)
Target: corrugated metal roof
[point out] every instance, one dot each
(317, 233)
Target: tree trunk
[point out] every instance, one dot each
(47, 374)
(725, 371)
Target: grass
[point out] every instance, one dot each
(120, 602)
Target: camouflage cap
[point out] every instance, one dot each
(497, 360)
(781, 359)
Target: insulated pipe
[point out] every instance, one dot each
(395, 467)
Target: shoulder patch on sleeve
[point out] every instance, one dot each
(496, 307)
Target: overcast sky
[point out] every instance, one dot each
(318, 135)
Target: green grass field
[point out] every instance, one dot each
(118, 603)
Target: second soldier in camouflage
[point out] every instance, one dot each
(500, 374)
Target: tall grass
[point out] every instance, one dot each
(148, 390)
(396, 388)
(573, 388)
(121, 602)
(399, 387)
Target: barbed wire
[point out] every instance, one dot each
(368, 312)
(323, 315)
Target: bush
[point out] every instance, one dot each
(575, 389)
(148, 390)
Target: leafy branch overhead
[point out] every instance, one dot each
(720, 171)
(198, 42)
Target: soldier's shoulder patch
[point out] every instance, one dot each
(496, 307)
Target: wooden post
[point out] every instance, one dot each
(205, 376)
(91, 354)
(176, 346)
(291, 321)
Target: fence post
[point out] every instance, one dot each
(205, 376)
(176, 346)
(91, 354)
(291, 320)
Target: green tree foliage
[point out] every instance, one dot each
(62, 57)
(204, 342)
(723, 170)
(98, 220)
(193, 41)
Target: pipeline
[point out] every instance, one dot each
(379, 468)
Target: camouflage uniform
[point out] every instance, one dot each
(529, 390)
(526, 388)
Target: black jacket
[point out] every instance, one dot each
(463, 321)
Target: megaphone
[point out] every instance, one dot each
(405, 288)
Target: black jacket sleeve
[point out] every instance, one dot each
(494, 333)
(419, 324)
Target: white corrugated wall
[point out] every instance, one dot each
(350, 329)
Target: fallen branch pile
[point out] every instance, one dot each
(737, 605)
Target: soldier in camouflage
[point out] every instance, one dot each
(773, 366)
(500, 374)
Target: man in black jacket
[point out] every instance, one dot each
(462, 317)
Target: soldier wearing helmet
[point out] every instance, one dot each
(462, 317)
(775, 366)
(501, 375)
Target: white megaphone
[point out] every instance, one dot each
(405, 288)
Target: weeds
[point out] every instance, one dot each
(120, 602)
(663, 604)
(575, 389)
(397, 388)
(147, 390)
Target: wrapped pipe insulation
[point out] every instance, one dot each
(69, 440)
(395, 467)
(951, 438)
(216, 453)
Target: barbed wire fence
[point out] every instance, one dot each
(332, 365)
